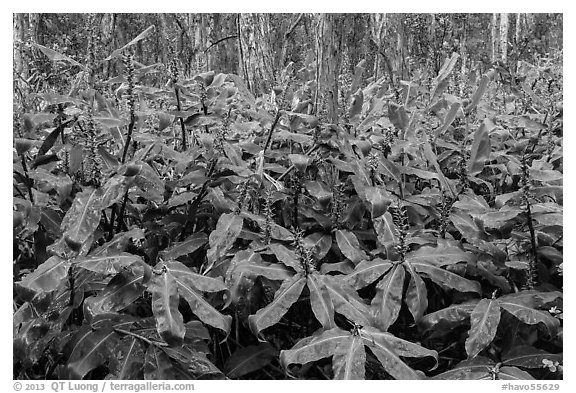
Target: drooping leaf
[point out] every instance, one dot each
(416, 295)
(448, 119)
(48, 276)
(272, 271)
(480, 150)
(146, 33)
(378, 200)
(387, 301)
(286, 256)
(321, 345)
(52, 138)
(187, 277)
(399, 346)
(121, 291)
(366, 272)
(320, 301)
(285, 296)
(202, 309)
(158, 366)
(91, 349)
(83, 217)
(390, 360)
(320, 244)
(129, 360)
(484, 82)
(350, 247)
(447, 279)
(384, 228)
(249, 359)
(529, 357)
(431, 157)
(188, 246)
(532, 316)
(169, 321)
(349, 360)
(346, 300)
(56, 56)
(455, 313)
(398, 116)
(195, 363)
(108, 264)
(478, 368)
(223, 237)
(484, 322)
(442, 255)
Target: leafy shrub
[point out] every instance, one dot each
(196, 231)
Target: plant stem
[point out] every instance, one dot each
(182, 126)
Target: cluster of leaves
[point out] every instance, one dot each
(193, 230)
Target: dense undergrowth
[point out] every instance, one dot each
(188, 229)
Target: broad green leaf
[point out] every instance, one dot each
(146, 33)
(320, 301)
(286, 256)
(202, 309)
(508, 373)
(272, 271)
(57, 56)
(387, 301)
(447, 279)
(119, 243)
(448, 119)
(158, 366)
(443, 254)
(300, 161)
(92, 349)
(83, 217)
(349, 360)
(416, 297)
(366, 272)
(276, 231)
(187, 277)
(378, 200)
(356, 105)
(169, 321)
(350, 247)
(479, 368)
(188, 246)
(480, 150)
(529, 357)
(321, 345)
(48, 276)
(108, 264)
(128, 362)
(384, 228)
(447, 67)
(431, 157)
(249, 359)
(455, 313)
(389, 169)
(398, 116)
(532, 316)
(285, 296)
(223, 237)
(346, 300)
(399, 346)
(390, 360)
(320, 243)
(194, 362)
(121, 291)
(52, 138)
(484, 322)
(478, 93)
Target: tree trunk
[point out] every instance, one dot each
(284, 50)
(327, 65)
(504, 38)
(255, 57)
(19, 24)
(494, 31)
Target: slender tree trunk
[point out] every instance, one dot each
(504, 38)
(495, 36)
(284, 50)
(19, 35)
(255, 56)
(328, 65)
(377, 25)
